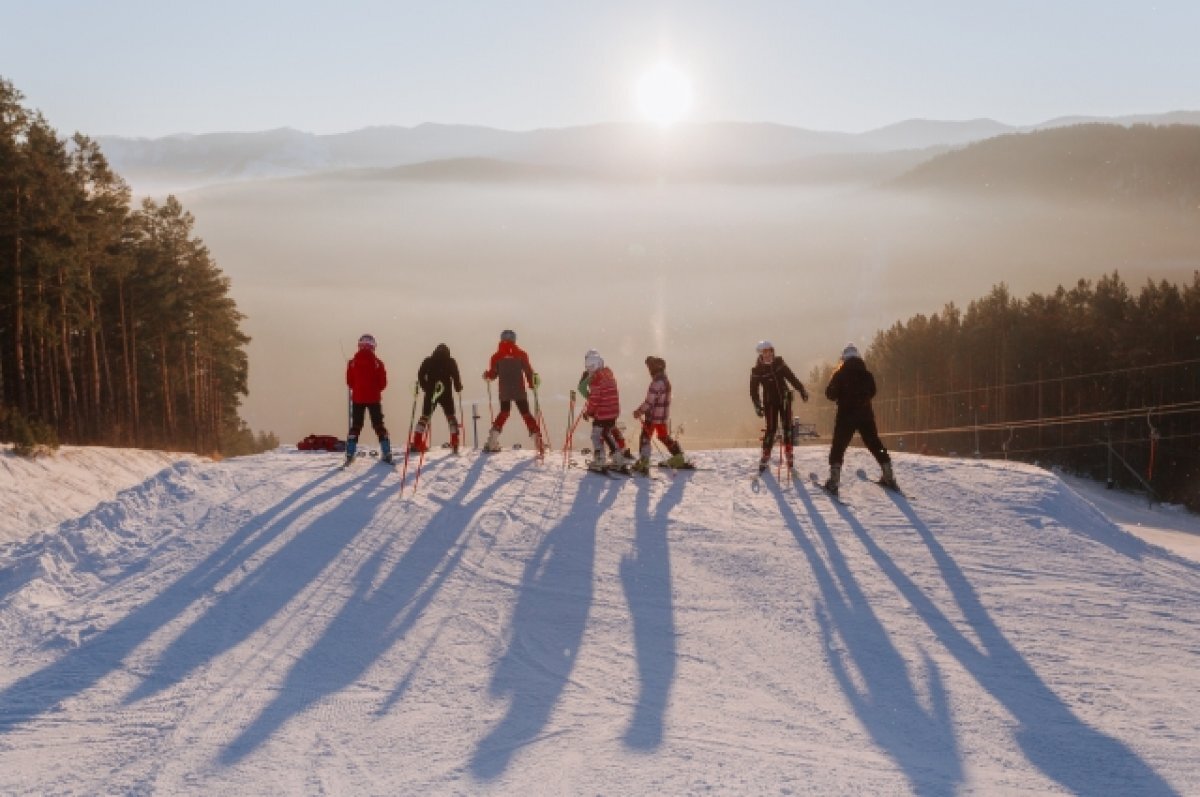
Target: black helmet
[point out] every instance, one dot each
(508, 335)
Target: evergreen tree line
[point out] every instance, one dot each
(116, 326)
(1094, 379)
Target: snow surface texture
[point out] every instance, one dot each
(273, 624)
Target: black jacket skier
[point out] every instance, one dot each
(437, 369)
(769, 380)
(852, 387)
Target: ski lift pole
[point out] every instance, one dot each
(570, 429)
(1154, 435)
(475, 422)
(437, 393)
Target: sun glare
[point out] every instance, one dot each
(663, 95)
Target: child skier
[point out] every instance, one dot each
(769, 380)
(655, 414)
(366, 377)
(615, 440)
(852, 387)
(602, 409)
(510, 364)
(438, 369)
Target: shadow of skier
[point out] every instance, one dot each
(1060, 744)
(547, 627)
(81, 668)
(376, 616)
(646, 578)
(921, 741)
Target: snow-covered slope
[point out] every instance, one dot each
(272, 624)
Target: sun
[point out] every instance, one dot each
(663, 94)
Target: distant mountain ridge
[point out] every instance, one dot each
(184, 161)
(1097, 161)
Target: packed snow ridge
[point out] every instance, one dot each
(275, 624)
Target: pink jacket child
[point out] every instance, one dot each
(603, 408)
(655, 415)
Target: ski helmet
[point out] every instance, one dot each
(367, 342)
(508, 335)
(850, 352)
(592, 361)
(764, 345)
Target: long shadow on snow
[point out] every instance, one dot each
(1060, 744)
(374, 618)
(77, 670)
(241, 612)
(646, 577)
(921, 741)
(547, 627)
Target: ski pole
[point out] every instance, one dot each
(408, 439)
(437, 393)
(462, 425)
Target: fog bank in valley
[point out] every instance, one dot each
(693, 272)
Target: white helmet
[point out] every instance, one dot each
(592, 361)
(763, 345)
(850, 351)
(367, 342)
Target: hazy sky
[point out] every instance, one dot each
(149, 67)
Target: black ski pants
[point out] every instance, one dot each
(445, 401)
(775, 415)
(357, 411)
(849, 421)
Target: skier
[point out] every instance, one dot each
(655, 413)
(852, 387)
(366, 377)
(616, 439)
(768, 390)
(438, 369)
(510, 364)
(602, 409)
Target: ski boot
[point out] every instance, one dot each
(598, 465)
(493, 441)
(618, 462)
(454, 441)
(385, 450)
(888, 479)
(677, 461)
(641, 466)
(765, 462)
(834, 480)
(351, 447)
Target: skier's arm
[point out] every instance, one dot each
(754, 393)
(490, 373)
(791, 378)
(382, 376)
(831, 392)
(584, 386)
(455, 376)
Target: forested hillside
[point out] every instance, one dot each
(1095, 378)
(1096, 161)
(116, 325)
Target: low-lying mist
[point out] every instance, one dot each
(696, 273)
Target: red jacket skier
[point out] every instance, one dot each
(366, 377)
(603, 407)
(510, 365)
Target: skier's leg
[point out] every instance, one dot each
(870, 436)
(768, 441)
(599, 432)
(843, 430)
(357, 411)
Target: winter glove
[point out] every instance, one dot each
(803, 394)
(637, 415)
(585, 416)
(758, 410)
(487, 376)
